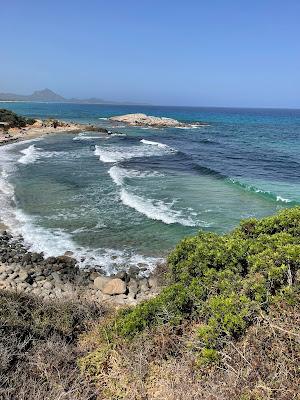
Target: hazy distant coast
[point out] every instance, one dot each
(48, 96)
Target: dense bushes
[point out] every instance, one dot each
(221, 283)
(14, 120)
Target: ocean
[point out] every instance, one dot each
(128, 199)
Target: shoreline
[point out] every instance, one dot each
(59, 277)
(39, 129)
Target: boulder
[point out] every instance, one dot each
(133, 288)
(23, 276)
(144, 285)
(101, 281)
(48, 285)
(66, 260)
(153, 283)
(114, 286)
(122, 275)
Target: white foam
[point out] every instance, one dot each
(156, 210)
(152, 143)
(279, 198)
(103, 118)
(81, 137)
(114, 154)
(119, 174)
(55, 242)
(30, 155)
(117, 134)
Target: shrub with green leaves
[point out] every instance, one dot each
(14, 120)
(221, 282)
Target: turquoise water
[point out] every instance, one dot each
(129, 199)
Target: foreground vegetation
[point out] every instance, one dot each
(225, 326)
(218, 286)
(14, 120)
(39, 347)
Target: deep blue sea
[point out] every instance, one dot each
(129, 199)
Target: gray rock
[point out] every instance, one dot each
(3, 276)
(133, 287)
(12, 276)
(40, 278)
(69, 253)
(23, 275)
(144, 285)
(153, 283)
(122, 275)
(94, 275)
(48, 285)
(133, 271)
(56, 277)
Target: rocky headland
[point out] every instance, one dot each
(38, 127)
(155, 122)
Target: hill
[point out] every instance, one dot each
(47, 95)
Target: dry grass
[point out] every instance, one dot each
(263, 365)
(38, 348)
(40, 345)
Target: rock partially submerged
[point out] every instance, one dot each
(149, 120)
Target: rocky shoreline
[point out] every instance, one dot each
(58, 277)
(46, 127)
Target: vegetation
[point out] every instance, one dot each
(14, 120)
(225, 326)
(218, 287)
(39, 347)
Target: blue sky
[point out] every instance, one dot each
(205, 53)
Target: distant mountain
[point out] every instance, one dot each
(47, 95)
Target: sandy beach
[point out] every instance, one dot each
(41, 128)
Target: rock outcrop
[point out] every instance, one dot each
(149, 120)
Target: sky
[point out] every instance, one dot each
(168, 52)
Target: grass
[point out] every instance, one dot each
(217, 285)
(225, 326)
(39, 347)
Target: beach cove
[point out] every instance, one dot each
(123, 197)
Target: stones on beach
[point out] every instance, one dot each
(56, 277)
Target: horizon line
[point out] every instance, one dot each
(116, 103)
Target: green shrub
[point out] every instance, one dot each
(222, 282)
(14, 120)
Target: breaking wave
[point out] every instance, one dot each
(118, 174)
(265, 193)
(30, 155)
(114, 154)
(152, 143)
(155, 209)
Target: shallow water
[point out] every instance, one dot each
(129, 199)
